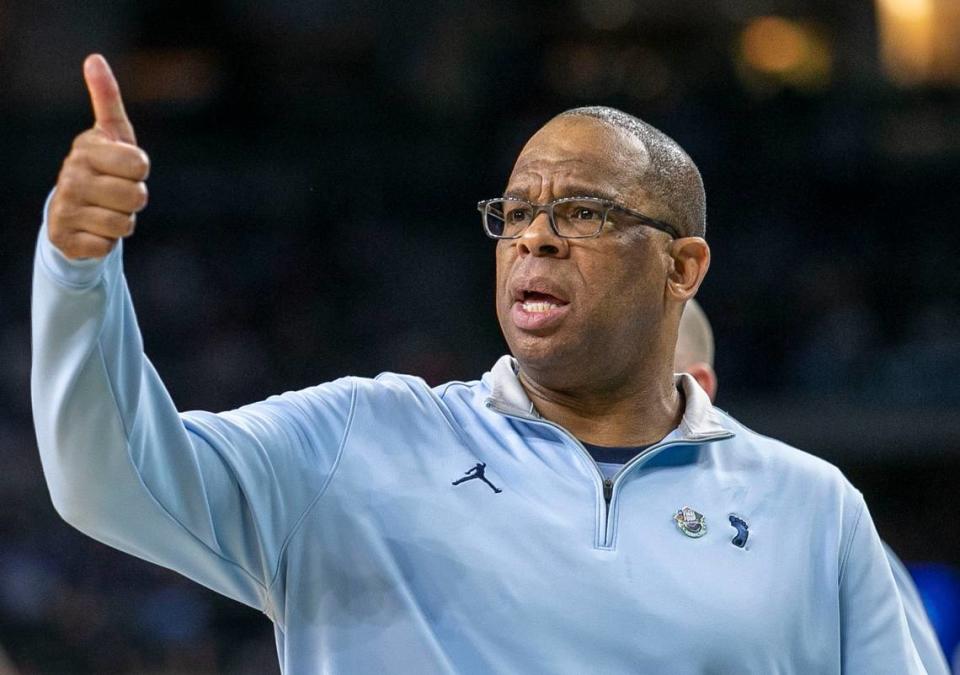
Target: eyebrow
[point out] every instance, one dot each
(574, 190)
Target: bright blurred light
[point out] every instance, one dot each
(907, 10)
(778, 51)
(774, 45)
(920, 41)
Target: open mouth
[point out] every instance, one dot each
(537, 309)
(537, 302)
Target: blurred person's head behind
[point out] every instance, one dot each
(694, 353)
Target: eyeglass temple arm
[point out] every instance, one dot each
(652, 222)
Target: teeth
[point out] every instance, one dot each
(538, 306)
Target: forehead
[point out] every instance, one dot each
(577, 155)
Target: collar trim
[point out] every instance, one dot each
(700, 422)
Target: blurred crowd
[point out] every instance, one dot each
(315, 172)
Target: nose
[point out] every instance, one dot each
(539, 239)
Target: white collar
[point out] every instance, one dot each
(700, 422)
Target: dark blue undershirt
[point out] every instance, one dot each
(610, 459)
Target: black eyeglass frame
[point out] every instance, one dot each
(606, 204)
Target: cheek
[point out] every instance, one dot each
(504, 262)
(626, 286)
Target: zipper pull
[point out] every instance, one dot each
(607, 490)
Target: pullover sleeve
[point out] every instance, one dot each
(921, 630)
(214, 497)
(875, 637)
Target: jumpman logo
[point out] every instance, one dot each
(477, 472)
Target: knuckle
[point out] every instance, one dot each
(59, 217)
(81, 140)
(122, 225)
(68, 185)
(87, 139)
(142, 164)
(56, 227)
(56, 211)
(79, 157)
(73, 159)
(143, 196)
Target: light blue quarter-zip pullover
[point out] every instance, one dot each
(388, 527)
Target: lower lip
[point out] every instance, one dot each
(534, 321)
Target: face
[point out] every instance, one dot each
(565, 306)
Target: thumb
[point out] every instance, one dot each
(109, 115)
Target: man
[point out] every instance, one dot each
(695, 349)
(332, 509)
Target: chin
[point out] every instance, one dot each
(554, 349)
(543, 353)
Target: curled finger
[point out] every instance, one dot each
(104, 222)
(82, 244)
(121, 160)
(116, 194)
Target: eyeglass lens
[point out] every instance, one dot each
(571, 218)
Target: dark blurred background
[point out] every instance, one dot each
(316, 167)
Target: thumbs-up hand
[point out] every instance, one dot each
(101, 186)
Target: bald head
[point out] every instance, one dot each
(694, 353)
(694, 338)
(670, 176)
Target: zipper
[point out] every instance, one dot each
(602, 538)
(600, 528)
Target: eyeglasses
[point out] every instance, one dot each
(570, 217)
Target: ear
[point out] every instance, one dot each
(690, 259)
(705, 376)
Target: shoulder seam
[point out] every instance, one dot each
(436, 399)
(452, 383)
(849, 545)
(320, 492)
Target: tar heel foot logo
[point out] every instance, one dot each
(743, 531)
(475, 473)
(690, 522)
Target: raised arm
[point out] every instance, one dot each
(215, 497)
